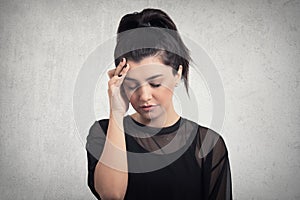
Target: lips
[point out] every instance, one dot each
(148, 107)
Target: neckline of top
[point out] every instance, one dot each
(156, 130)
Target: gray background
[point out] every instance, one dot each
(254, 45)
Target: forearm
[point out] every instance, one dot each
(111, 172)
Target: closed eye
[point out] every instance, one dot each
(155, 85)
(132, 87)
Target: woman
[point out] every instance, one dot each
(154, 153)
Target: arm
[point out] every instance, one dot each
(110, 177)
(111, 172)
(215, 166)
(220, 180)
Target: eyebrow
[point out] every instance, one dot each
(152, 77)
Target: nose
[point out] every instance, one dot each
(145, 93)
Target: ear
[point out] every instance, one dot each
(178, 74)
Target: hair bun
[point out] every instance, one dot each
(157, 18)
(146, 18)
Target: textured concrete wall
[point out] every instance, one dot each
(254, 45)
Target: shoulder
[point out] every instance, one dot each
(96, 138)
(202, 130)
(97, 131)
(98, 126)
(209, 140)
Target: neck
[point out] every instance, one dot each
(163, 121)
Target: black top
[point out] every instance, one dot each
(191, 161)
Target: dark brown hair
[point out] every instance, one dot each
(157, 19)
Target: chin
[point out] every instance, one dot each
(151, 116)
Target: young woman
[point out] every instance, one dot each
(154, 153)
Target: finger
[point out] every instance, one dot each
(115, 81)
(120, 78)
(117, 70)
(111, 73)
(124, 71)
(121, 65)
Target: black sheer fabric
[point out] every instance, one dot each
(201, 170)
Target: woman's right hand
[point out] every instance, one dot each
(119, 102)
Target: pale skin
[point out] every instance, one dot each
(149, 89)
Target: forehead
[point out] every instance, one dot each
(148, 67)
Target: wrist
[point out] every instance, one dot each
(116, 113)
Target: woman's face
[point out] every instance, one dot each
(149, 86)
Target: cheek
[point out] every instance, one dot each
(166, 94)
(132, 96)
(128, 94)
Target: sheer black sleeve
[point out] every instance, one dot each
(92, 162)
(94, 146)
(212, 157)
